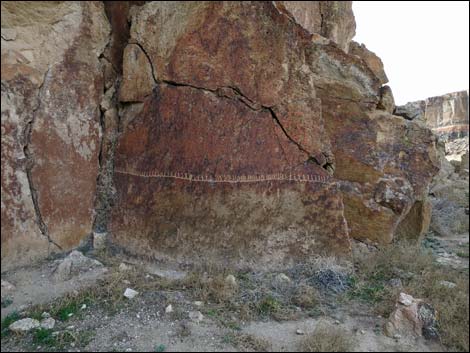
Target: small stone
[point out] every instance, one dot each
(48, 323)
(70, 315)
(196, 316)
(397, 336)
(83, 307)
(130, 293)
(125, 281)
(405, 299)
(448, 284)
(337, 322)
(45, 315)
(71, 327)
(7, 286)
(124, 267)
(395, 283)
(363, 332)
(99, 240)
(24, 325)
(169, 309)
(281, 279)
(231, 281)
(198, 303)
(300, 332)
(63, 271)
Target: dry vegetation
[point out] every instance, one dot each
(421, 278)
(257, 296)
(327, 339)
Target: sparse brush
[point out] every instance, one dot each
(421, 277)
(327, 339)
(247, 342)
(305, 296)
(451, 304)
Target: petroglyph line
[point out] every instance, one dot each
(304, 178)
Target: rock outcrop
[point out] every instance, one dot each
(330, 19)
(251, 133)
(51, 88)
(446, 115)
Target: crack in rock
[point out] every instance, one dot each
(30, 162)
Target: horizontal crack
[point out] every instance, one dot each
(235, 93)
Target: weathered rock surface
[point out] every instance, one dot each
(412, 318)
(446, 115)
(331, 19)
(385, 165)
(245, 133)
(246, 111)
(24, 325)
(259, 110)
(51, 89)
(371, 59)
(449, 196)
(74, 264)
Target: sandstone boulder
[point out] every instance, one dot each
(24, 325)
(51, 89)
(412, 318)
(240, 170)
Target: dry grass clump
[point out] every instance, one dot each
(451, 304)
(327, 339)
(214, 289)
(248, 343)
(401, 260)
(421, 277)
(305, 296)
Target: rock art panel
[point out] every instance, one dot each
(219, 178)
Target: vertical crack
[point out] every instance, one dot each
(30, 164)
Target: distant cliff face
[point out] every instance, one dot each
(242, 132)
(446, 115)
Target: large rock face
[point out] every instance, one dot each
(229, 148)
(239, 170)
(247, 133)
(51, 89)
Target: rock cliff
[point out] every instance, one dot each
(446, 115)
(252, 133)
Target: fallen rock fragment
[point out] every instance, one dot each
(48, 323)
(7, 286)
(231, 281)
(281, 279)
(196, 316)
(412, 318)
(124, 267)
(447, 284)
(130, 293)
(74, 264)
(24, 325)
(169, 309)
